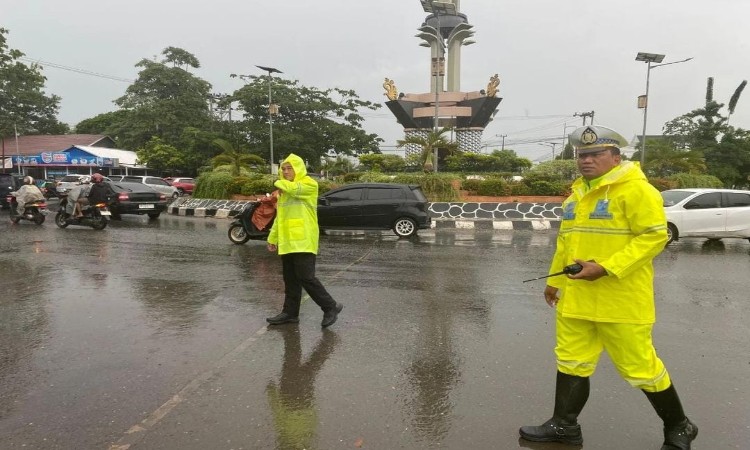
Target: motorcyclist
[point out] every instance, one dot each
(100, 192)
(27, 193)
(78, 192)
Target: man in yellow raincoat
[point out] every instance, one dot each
(613, 225)
(294, 235)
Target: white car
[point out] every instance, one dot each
(155, 183)
(707, 213)
(68, 182)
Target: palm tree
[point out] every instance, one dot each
(435, 140)
(233, 157)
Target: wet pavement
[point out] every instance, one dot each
(151, 335)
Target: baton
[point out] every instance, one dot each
(571, 269)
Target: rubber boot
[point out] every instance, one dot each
(571, 393)
(679, 431)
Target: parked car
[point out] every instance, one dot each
(707, 213)
(183, 185)
(136, 198)
(9, 182)
(156, 183)
(375, 206)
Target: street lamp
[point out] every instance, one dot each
(437, 8)
(649, 58)
(271, 108)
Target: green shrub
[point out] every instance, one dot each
(493, 187)
(351, 177)
(375, 177)
(519, 189)
(663, 184)
(212, 185)
(542, 187)
(471, 185)
(688, 180)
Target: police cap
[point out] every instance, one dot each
(592, 138)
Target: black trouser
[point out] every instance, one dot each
(299, 272)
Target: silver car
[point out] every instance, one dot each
(155, 183)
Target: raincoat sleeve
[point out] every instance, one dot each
(297, 188)
(648, 223)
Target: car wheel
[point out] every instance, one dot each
(238, 235)
(154, 215)
(672, 234)
(181, 191)
(60, 220)
(175, 195)
(405, 227)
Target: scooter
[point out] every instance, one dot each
(242, 228)
(34, 211)
(94, 216)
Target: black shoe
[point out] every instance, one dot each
(329, 317)
(680, 436)
(282, 318)
(553, 430)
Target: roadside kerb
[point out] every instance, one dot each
(458, 215)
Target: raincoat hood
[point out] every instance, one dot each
(300, 171)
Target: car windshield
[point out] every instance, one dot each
(672, 198)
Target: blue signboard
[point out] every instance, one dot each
(72, 157)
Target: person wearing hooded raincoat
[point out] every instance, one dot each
(27, 193)
(613, 225)
(294, 235)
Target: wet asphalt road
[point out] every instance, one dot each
(151, 335)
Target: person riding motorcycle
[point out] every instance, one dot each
(27, 193)
(100, 192)
(78, 192)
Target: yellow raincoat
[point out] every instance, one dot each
(295, 229)
(618, 222)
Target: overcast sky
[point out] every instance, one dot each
(555, 58)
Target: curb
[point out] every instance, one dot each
(437, 223)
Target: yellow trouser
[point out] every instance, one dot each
(629, 346)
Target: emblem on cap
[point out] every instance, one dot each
(588, 136)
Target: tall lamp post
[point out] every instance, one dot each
(437, 8)
(271, 108)
(649, 59)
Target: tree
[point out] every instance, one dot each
(24, 107)
(309, 123)
(235, 158)
(159, 156)
(704, 131)
(664, 159)
(339, 166)
(104, 123)
(163, 101)
(435, 140)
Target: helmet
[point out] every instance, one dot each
(97, 178)
(28, 180)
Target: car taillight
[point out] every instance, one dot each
(123, 196)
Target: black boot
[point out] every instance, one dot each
(282, 318)
(330, 316)
(571, 394)
(679, 431)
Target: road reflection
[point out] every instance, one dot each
(292, 398)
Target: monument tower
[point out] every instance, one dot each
(445, 30)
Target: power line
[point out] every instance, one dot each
(77, 70)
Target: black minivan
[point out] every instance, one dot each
(402, 208)
(9, 182)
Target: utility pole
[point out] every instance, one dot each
(503, 136)
(584, 115)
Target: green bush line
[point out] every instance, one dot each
(438, 187)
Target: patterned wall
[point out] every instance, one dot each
(469, 140)
(414, 149)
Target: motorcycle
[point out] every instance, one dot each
(94, 216)
(33, 211)
(243, 229)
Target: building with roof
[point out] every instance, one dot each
(46, 156)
